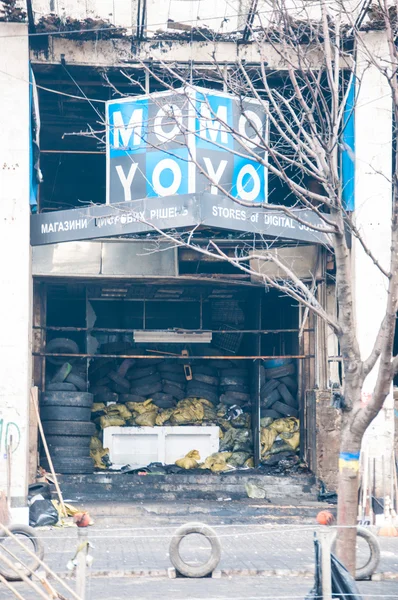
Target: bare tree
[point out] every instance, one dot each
(307, 106)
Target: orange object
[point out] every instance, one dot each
(325, 517)
(388, 531)
(82, 519)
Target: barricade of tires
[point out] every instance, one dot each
(68, 430)
(279, 389)
(65, 411)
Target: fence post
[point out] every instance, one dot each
(81, 562)
(325, 538)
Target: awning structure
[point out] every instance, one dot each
(174, 212)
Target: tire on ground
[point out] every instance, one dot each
(61, 346)
(123, 398)
(69, 428)
(146, 390)
(106, 397)
(205, 379)
(140, 373)
(189, 570)
(367, 570)
(32, 563)
(72, 399)
(62, 373)
(290, 383)
(65, 413)
(269, 387)
(173, 390)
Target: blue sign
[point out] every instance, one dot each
(188, 141)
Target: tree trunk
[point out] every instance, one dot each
(347, 509)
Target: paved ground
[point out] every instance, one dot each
(246, 549)
(234, 588)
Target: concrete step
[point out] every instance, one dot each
(119, 487)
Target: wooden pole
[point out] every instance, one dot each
(81, 562)
(50, 462)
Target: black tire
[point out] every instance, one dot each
(213, 389)
(173, 390)
(236, 396)
(271, 398)
(233, 380)
(106, 397)
(181, 386)
(60, 387)
(61, 346)
(197, 392)
(204, 370)
(242, 389)
(269, 387)
(69, 428)
(238, 372)
(290, 383)
(67, 452)
(205, 379)
(270, 413)
(195, 570)
(78, 381)
(125, 366)
(173, 376)
(118, 389)
(101, 370)
(123, 398)
(62, 373)
(147, 390)
(140, 373)
(278, 372)
(70, 465)
(34, 544)
(67, 441)
(165, 403)
(65, 413)
(39, 488)
(226, 399)
(367, 570)
(96, 390)
(161, 396)
(121, 382)
(72, 399)
(148, 380)
(285, 409)
(287, 396)
(103, 382)
(171, 368)
(115, 348)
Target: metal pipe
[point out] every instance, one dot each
(112, 330)
(145, 356)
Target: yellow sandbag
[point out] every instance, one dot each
(249, 463)
(217, 462)
(97, 456)
(111, 421)
(164, 415)
(292, 439)
(188, 411)
(222, 410)
(288, 425)
(190, 460)
(224, 424)
(147, 419)
(98, 406)
(95, 444)
(119, 409)
(141, 407)
(267, 438)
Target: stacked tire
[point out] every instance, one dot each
(68, 430)
(279, 390)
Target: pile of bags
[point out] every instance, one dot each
(280, 435)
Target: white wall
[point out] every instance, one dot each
(15, 313)
(373, 141)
